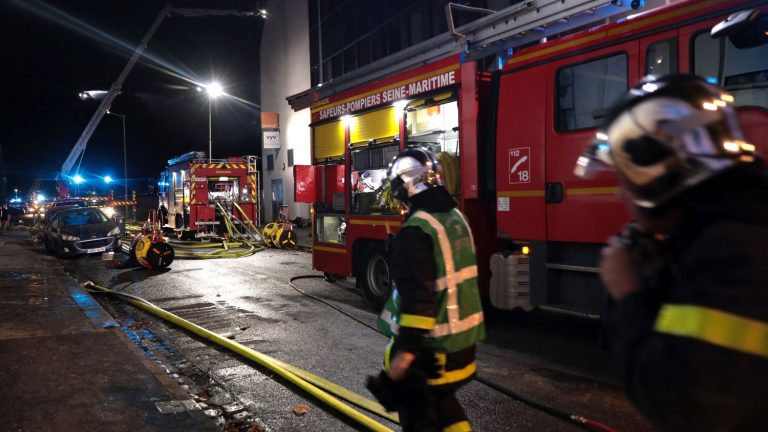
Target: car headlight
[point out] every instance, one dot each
(67, 237)
(108, 211)
(114, 231)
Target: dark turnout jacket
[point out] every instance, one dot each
(694, 347)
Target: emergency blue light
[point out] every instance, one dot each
(107, 179)
(78, 179)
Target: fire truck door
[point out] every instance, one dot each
(582, 88)
(520, 155)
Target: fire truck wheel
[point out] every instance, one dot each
(373, 275)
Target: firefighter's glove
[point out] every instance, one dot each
(387, 391)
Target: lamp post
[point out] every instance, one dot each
(16, 191)
(125, 154)
(214, 90)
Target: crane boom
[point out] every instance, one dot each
(114, 90)
(79, 148)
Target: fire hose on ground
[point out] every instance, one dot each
(316, 386)
(578, 420)
(242, 243)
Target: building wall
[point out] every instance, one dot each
(285, 71)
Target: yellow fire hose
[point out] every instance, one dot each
(318, 387)
(186, 249)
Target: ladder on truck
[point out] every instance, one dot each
(497, 33)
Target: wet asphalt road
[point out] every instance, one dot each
(548, 358)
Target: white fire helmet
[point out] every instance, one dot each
(413, 171)
(666, 136)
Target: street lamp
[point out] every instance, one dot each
(125, 155)
(214, 90)
(16, 191)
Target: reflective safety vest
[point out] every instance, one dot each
(459, 321)
(716, 327)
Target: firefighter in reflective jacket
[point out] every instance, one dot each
(434, 315)
(690, 276)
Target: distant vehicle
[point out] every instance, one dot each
(69, 202)
(57, 206)
(79, 231)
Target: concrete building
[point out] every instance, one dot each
(285, 70)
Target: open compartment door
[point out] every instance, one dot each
(308, 180)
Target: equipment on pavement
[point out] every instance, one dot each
(149, 248)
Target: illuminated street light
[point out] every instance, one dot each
(16, 191)
(214, 90)
(107, 179)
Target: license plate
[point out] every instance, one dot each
(90, 251)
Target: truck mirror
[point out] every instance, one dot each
(745, 29)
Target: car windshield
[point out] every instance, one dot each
(82, 217)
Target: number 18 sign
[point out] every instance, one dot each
(520, 165)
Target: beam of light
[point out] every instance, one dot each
(244, 101)
(119, 46)
(107, 179)
(78, 179)
(125, 49)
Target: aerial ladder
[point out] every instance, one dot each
(76, 155)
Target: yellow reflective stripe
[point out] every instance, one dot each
(388, 353)
(460, 276)
(462, 426)
(716, 327)
(417, 321)
(447, 377)
(467, 323)
(452, 303)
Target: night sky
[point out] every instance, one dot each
(49, 58)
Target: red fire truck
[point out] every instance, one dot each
(192, 185)
(509, 140)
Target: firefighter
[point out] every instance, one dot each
(5, 218)
(434, 315)
(690, 275)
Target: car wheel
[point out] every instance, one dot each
(373, 275)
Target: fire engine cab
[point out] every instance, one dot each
(509, 136)
(193, 188)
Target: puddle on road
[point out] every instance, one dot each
(142, 336)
